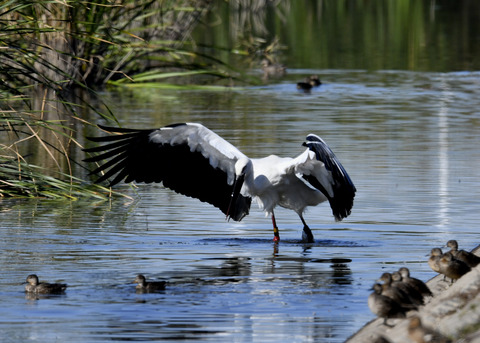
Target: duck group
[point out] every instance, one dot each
(454, 263)
(394, 294)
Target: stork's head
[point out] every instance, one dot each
(242, 167)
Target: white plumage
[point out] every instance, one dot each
(193, 160)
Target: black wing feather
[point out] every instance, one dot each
(134, 157)
(343, 187)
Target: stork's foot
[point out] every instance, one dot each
(276, 235)
(307, 235)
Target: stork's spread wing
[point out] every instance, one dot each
(320, 167)
(188, 158)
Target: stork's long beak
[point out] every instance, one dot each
(237, 186)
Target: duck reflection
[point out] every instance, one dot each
(39, 296)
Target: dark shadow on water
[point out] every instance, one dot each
(289, 267)
(295, 242)
(309, 273)
(156, 330)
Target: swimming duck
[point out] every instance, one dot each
(271, 69)
(34, 286)
(152, 286)
(305, 85)
(420, 334)
(383, 306)
(468, 258)
(419, 285)
(315, 81)
(433, 261)
(451, 267)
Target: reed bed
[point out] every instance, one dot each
(55, 54)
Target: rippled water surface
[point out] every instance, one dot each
(409, 142)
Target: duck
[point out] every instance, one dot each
(151, 286)
(433, 261)
(34, 286)
(315, 81)
(452, 268)
(271, 69)
(468, 258)
(397, 281)
(383, 306)
(419, 285)
(396, 293)
(305, 85)
(420, 334)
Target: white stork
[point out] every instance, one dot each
(193, 160)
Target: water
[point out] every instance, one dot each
(409, 142)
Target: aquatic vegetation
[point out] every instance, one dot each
(22, 180)
(54, 54)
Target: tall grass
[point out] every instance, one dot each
(54, 53)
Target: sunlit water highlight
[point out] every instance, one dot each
(410, 143)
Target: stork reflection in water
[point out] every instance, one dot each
(193, 160)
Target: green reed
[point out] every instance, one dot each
(54, 54)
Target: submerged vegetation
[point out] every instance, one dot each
(55, 54)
